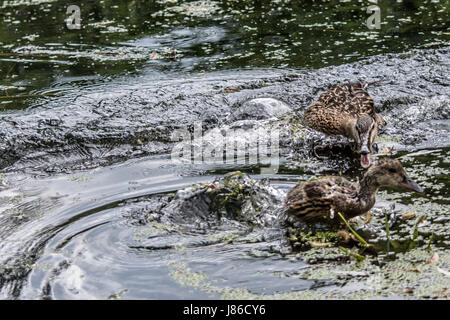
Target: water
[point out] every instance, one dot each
(88, 205)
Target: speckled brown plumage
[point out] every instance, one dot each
(333, 110)
(313, 200)
(321, 198)
(347, 110)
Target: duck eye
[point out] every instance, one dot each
(392, 170)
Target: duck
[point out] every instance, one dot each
(347, 110)
(319, 200)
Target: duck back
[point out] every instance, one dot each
(338, 106)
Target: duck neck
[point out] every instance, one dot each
(368, 188)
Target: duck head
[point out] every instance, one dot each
(390, 173)
(364, 132)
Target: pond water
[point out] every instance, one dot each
(93, 204)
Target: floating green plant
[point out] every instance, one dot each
(430, 240)
(364, 242)
(388, 236)
(354, 255)
(415, 235)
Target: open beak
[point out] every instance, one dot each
(365, 157)
(365, 161)
(411, 185)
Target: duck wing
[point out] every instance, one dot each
(325, 117)
(337, 106)
(360, 102)
(350, 98)
(314, 200)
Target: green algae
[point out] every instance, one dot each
(26, 263)
(224, 237)
(118, 295)
(184, 276)
(388, 235)
(152, 228)
(409, 277)
(80, 179)
(3, 181)
(355, 255)
(385, 138)
(228, 198)
(303, 240)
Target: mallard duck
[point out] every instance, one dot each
(313, 200)
(347, 110)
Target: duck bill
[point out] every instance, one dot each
(365, 160)
(411, 185)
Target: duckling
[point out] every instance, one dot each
(347, 110)
(314, 200)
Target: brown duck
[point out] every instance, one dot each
(313, 200)
(347, 110)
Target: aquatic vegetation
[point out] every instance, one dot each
(305, 240)
(117, 296)
(385, 138)
(400, 278)
(80, 179)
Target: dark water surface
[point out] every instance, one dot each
(39, 54)
(92, 205)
